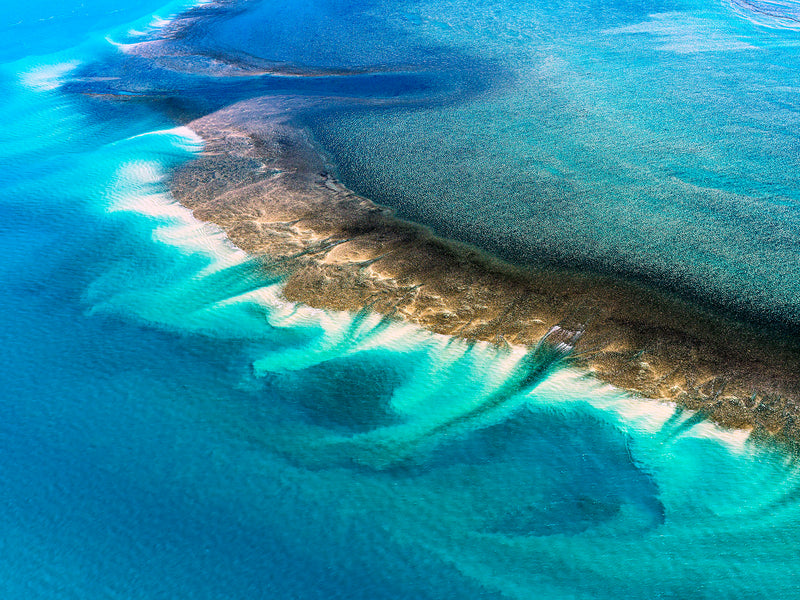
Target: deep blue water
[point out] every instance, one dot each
(169, 428)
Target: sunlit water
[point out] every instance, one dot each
(171, 428)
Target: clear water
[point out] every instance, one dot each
(653, 140)
(657, 140)
(169, 428)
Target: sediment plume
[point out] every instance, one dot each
(263, 181)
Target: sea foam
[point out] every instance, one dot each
(47, 77)
(454, 376)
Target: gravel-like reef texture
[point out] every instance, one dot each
(263, 181)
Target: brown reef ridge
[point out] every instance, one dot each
(261, 179)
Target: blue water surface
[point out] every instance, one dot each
(170, 428)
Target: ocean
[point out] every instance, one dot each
(172, 427)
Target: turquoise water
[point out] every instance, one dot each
(657, 140)
(170, 428)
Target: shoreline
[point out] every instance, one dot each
(262, 180)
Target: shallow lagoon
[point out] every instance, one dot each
(170, 428)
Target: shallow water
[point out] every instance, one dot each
(170, 428)
(657, 141)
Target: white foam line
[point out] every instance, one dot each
(636, 413)
(399, 336)
(734, 439)
(121, 46)
(154, 22)
(189, 140)
(182, 229)
(48, 77)
(646, 414)
(157, 22)
(649, 415)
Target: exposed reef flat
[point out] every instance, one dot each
(262, 180)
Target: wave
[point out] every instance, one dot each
(485, 458)
(500, 465)
(216, 288)
(688, 339)
(46, 77)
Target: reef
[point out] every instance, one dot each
(262, 179)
